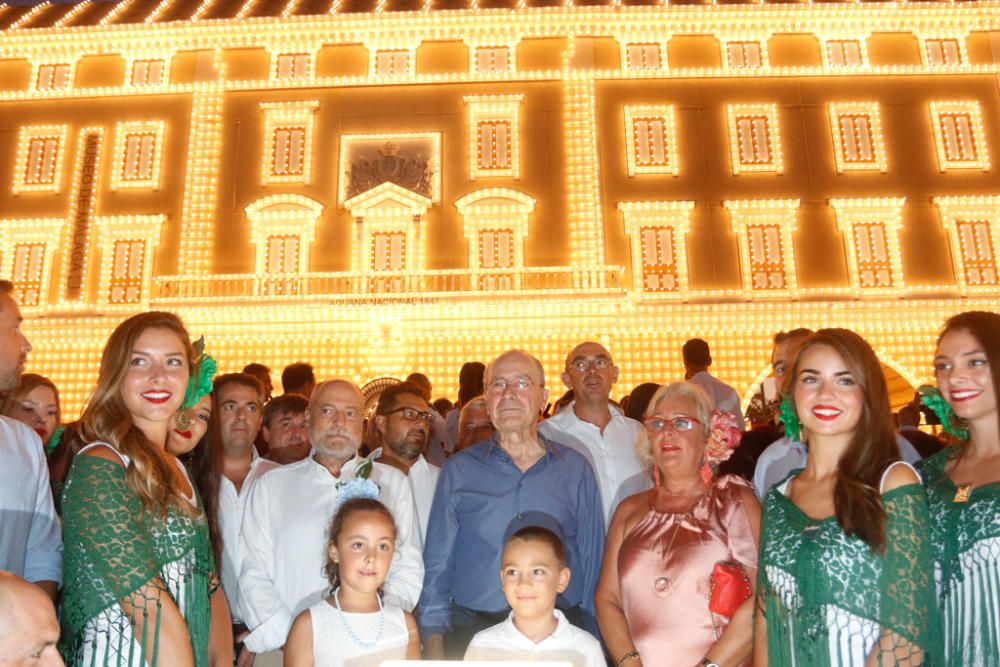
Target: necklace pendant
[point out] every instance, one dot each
(962, 493)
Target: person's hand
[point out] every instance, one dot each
(246, 657)
(434, 648)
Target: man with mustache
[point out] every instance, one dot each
(289, 512)
(403, 422)
(30, 535)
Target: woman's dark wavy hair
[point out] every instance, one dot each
(985, 328)
(332, 570)
(856, 496)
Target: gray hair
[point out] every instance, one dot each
(477, 402)
(673, 390)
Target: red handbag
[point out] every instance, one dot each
(728, 588)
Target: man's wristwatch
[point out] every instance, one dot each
(705, 662)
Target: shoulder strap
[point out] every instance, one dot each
(885, 473)
(124, 459)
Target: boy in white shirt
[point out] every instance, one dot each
(533, 572)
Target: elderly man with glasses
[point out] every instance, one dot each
(487, 486)
(403, 422)
(597, 428)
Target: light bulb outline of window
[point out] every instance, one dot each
(868, 225)
(53, 75)
(943, 51)
(494, 135)
(37, 232)
(291, 65)
(764, 231)
(388, 61)
(858, 140)
(973, 221)
(146, 71)
(754, 138)
(127, 248)
(674, 216)
(651, 140)
(843, 52)
(490, 59)
(287, 147)
(744, 53)
(138, 155)
(643, 53)
(959, 135)
(41, 153)
(283, 214)
(498, 209)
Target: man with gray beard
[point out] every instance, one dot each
(289, 512)
(403, 422)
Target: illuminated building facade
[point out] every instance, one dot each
(379, 187)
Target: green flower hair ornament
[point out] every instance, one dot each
(950, 422)
(53, 442)
(200, 383)
(787, 416)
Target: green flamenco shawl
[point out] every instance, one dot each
(114, 554)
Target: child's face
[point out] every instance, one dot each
(531, 577)
(364, 551)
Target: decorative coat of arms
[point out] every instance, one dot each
(413, 173)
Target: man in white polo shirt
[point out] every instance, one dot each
(597, 429)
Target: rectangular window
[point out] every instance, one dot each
(943, 52)
(29, 260)
(650, 140)
(659, 265)
(855, 132)
(127, 271)
(390, 62)
(744, 55)
(147, 72)
(754, 140)
(388, 251)
(138, 161)
(844, 53)
(43, 156)
(496, 251)
(976, 241)
(292, 66)
(872, 249)
(288, 151)
(642, 55)
(958, 137)
(492, 59)
(767, 266)
(494, 144)
(283, 254)
(52, 76)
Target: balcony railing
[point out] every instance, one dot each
(388, 285)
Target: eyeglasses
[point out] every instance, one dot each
(677, 424)
(500, 385)
(412, 414)
(584, 365)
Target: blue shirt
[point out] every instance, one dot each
(479, 493)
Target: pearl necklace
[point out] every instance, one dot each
(347, 626)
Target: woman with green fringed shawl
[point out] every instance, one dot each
(845, 572)
(963, 488)
(140, 582)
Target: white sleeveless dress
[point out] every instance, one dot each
(333, 645)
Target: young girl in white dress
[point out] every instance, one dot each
(351, 627)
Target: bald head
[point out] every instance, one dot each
(537, 376)
(29, 630)
(335, 418)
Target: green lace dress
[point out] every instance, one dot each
(966, 542)
(829, 600)
(113, 552)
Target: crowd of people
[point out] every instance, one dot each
(192, 518)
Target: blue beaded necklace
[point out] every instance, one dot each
(347, 626)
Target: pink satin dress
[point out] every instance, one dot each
(664, 567)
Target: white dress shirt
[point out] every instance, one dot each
(285, 545)
(30, 532)
(423, 478)
(611, 453)
(232, 505)
(723, 396)
(567, 644)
